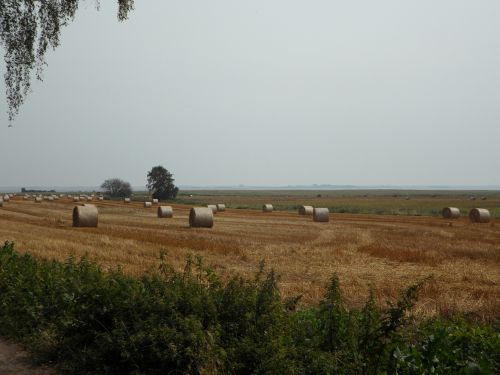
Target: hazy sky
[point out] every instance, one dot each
(266, 92)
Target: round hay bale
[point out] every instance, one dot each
(201, 217)
(451, 213)
(165, 212)
(127, 200)
(267, 208)
(306, 210)
(221, 207)
(213, 207)
(76, 199)
(85, 216)
(321, 215)
(479, 215)
(101, 198)
(147, 204)
(6, 198)
(1, 202)
(38, 199)
(50, 199)
(155, 201)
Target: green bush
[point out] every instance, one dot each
(88, 321)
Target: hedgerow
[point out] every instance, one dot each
(86, 320)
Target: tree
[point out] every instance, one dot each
(27, 29)
(161, 183)
(117, 188)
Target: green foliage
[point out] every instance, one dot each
(27, 29)
(88, 321)
(161, 183)
(116, 188)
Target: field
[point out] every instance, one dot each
(379, 240)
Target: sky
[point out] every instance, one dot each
(265, 93)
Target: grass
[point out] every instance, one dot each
(383, 252)
(88, 321)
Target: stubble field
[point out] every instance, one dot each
(384, 252)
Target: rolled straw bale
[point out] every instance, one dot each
(451, 213)
(479, 215)
(50, 199)
(267, 208)
(85, 216)
(76, 199)
(90, 198)
(147, 204)
(221, 207)
(213, 207)
(127, 200)
(201, 217)
(1, 202)
(45, 198)
(26, 197)
(6, 198)
(70, 196)
(165, 211)
(306, 210)
(38, 199)
(321, 215)
(101, 198)
(155, 201)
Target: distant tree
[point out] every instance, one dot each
(117, 188)
(161, 183)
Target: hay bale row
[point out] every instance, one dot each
(213, 207)
(86, 215)
(165, 212)
(201, 217)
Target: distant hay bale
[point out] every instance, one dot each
(201, 217)
(267, 208)
(306, 210)
(127, 200)
(76, 199)
(321, 215)
(479, 215)
(38, 199)
(85, 216)
(70, 196)
(213, 207)
(451, 213)
(26, 197)
(6, 198)
(50, 199)
(101, 198)
(221, 207)
(1, 202)
(165, 212)
(155, 201)
(147, 204)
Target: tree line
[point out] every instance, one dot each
(160, 184)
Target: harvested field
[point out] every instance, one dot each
(386, 253)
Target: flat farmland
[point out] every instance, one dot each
(385, 253)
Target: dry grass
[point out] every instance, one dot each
(386, 253)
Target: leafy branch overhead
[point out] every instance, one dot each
(27, 29)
